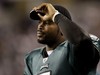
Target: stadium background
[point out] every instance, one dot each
(18, 31)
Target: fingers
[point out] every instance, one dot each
(41, 17)
(45, 11)
(35, 8)
(42, 6)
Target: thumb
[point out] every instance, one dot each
(41, 17)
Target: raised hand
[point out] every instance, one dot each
(45, 11)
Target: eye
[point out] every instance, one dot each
(48, 22)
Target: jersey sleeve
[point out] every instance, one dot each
(27, 61)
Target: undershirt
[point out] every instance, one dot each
(48, 52)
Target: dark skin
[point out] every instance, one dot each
(49, 33)
(52, 34)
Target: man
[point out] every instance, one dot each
(68, 48)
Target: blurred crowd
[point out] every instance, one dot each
(18, 31)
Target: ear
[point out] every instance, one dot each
(61, 33)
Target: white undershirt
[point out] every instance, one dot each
(48, 52)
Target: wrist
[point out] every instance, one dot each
(56, 13)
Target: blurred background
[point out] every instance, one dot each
(18, 31)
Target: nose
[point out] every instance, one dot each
(40, 26)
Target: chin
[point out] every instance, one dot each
(41, 41)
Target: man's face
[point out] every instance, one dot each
(47, 32)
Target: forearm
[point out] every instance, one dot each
(70, 30)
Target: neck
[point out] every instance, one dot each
(52, 46)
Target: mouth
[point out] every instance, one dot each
(40, 33)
